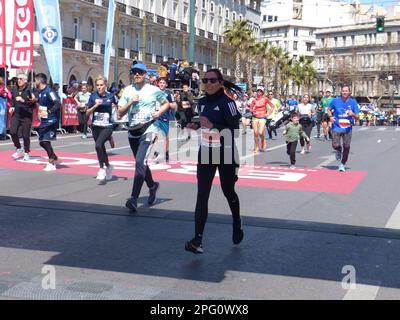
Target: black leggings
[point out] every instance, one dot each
(25, 123)
(46, 145)
(291, 151)
(307, 128)
(101, 135)
(205, 175)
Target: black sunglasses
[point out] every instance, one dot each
(135, 71)
(212, 80)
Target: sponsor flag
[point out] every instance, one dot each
(49, 25)
(109, 37)
(2, 34)
(21, 55)
(69, 113)
(3, 116)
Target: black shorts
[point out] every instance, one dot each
(48, 133)
(325, 118)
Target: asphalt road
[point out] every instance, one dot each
(307, 231)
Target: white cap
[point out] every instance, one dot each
(261, 88)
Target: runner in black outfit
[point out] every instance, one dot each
(219, 121)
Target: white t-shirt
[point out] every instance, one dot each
(305, 110)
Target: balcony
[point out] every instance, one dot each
(102, 49)
(184, 27)
(68, 43)
(121, 53)
(121, 7)
(135, 12)
(87, 46)
(159, 59)
(202, 33)
(149, 15)
(133, 54)
(172, 23)
(104, 3)
(160, 20)
(210, 35)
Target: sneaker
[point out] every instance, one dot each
(153, 193)
(109, 173)
(50, 167)
(292, 167)
(112, 142)
(194, 246)
(26, 156)
(309, 147)
(84, 136)
(338, 155)
(237, 235)
(302, 151)
(101, 174)
(342, 167)
(18, 154)
(131, 205)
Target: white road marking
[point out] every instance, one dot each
(381, 129)
(362, 292)
(394, 220)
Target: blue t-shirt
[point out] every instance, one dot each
(102, 114)
(339, 108)
(292, 103)
(46, 100)
(172, 71)
(167, 116)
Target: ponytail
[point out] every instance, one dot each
(227, 84)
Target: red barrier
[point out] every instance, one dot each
(69, 113)
(35, 117)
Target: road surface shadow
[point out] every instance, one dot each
(151, 242)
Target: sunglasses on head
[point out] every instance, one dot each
(135, 71)
(212, 80)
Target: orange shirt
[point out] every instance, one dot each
(259, 106)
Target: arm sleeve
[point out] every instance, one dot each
(231, 117)
(56, 102)
(90, 102)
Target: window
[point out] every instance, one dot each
(123, 42)
(93, 31)
(77, 31)
(335, 41)
(162, 45)
(204, 4)
(270, 18)
(220, 10)
(296, 32)
(295, 57)
(323, 42)
(233, 16)
(264, 18)
(212, 7)
(137, 41)
(309, 46)
(175, 8)
(276, 18)
(185, 13)
(389, 37)
(344, 40)
(311, 32)
(295, 45)
(353, 42)
(227, 14)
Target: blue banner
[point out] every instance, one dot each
(49, 25)
(3, 116)
(109, 37)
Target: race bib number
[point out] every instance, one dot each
(140, 117)
(43, 113)
(101, 119)
(210, 138)
(344, 123)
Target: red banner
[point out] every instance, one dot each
(22, 42)
(69, 112)
(2, 34)
(35, 117)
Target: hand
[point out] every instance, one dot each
(332, 119)
(11, 110)
(19, 99)
(156, 115)
(33, 98)
(351, 113)
(98, 102)
(204, 122)
(308, 139)
(134, 99)
(192, 126)
(284, 133)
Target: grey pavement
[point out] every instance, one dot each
(298, 244)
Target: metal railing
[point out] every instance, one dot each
(68, 43)
(87, 46)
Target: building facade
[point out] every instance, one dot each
(360, 56)
(292, 24)
(152, 31)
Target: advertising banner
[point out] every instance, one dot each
(69, 113)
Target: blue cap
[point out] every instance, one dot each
(139, 66)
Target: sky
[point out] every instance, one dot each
(383, 3)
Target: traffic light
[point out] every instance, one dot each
(380, 24)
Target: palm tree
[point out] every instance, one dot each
(266, 59)
(238, 35)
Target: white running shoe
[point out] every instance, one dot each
(50, 167)
(302, 151)
(101, 174)
(18, 154)
(109, 173)
(26, 156)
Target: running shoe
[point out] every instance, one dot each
(112, 142)
(50, 167)
(109, 173)
(101, 174)
(302, 151)
(309, 147)
(292, 167)
(26, 156)
(153, 193)
(194, 246)
(237, 234)
(84, 136)
(131, 205)
(338, 155)
(18, 154)
(342, 167)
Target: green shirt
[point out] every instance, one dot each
(325, 103)
(294, 132)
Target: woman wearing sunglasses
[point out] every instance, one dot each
(219, 122)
